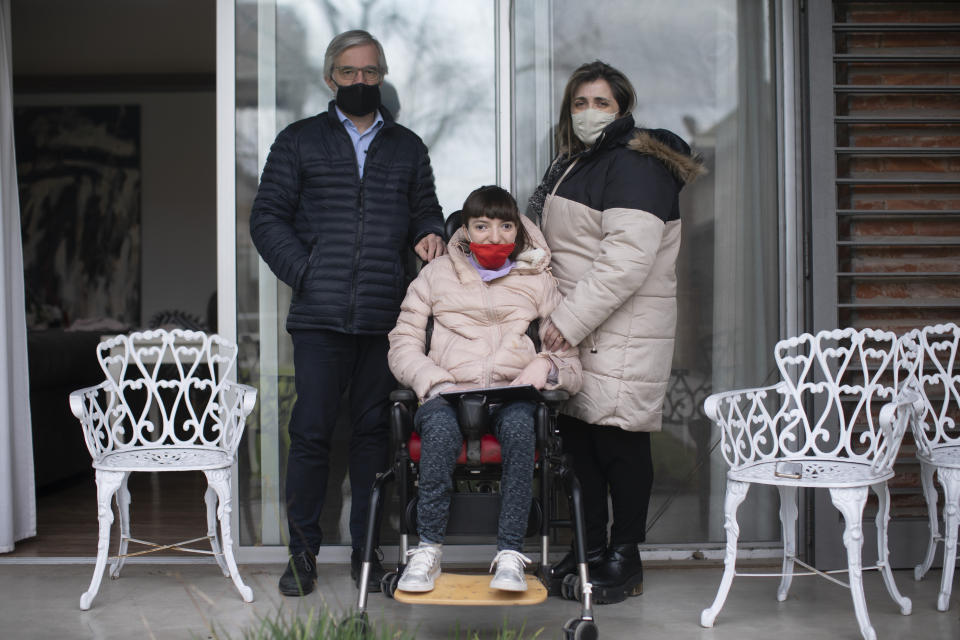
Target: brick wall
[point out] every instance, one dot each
(897, 138)
(897, 92)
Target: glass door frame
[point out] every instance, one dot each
(226, 242)
(791, 193)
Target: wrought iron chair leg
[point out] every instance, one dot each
(219, 479)
(736, 492)
(950, 480)
(850, 502)
(930, 493)
(788, 521)
(108, 482)
(210, 498)
(883, 551)
(123, 511)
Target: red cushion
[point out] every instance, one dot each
(489, 450)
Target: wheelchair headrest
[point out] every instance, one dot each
(452, 223)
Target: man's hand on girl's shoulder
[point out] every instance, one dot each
(430, 247)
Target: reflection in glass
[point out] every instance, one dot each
(441, 85)
(703, 70)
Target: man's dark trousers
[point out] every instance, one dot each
(326, 362)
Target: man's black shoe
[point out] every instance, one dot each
(300, 576)
(376, 569)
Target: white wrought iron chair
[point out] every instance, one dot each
(937, 435)
(166, 405)
(834, 421)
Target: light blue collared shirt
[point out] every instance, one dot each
(361, 141)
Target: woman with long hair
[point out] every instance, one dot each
(608, 207)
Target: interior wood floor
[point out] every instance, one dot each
(164, 508)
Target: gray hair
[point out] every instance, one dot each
(344, 41)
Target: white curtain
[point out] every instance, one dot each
(746, 288)
(746, 280)
(18, 511)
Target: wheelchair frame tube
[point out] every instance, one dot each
(576, 499)
(543, 425)
(402, 467)
(373, 519)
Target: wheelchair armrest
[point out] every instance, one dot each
(554, 397)
(406, 396)
(403, 404)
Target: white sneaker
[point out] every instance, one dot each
(422, 568)
(509, 575)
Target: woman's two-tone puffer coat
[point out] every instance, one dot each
(613, 225)
(479, 328)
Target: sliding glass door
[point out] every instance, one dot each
(480, 81)
(441, 84)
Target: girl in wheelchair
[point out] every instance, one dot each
(483, 295)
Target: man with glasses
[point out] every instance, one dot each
(341, 196)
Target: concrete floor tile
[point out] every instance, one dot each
(195, 601)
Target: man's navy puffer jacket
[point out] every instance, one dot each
(337, 240)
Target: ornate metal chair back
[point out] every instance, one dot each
(167, 389)
(839, 381)
(938, 380)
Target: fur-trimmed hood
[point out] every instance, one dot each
(671, 150)
(666, 146)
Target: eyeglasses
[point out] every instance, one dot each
(370, 74)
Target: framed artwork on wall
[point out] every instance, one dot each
(79, 176)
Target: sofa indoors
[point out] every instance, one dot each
(60, 362)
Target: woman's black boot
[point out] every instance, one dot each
(619, 576)
(568, 566)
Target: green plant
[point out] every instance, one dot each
(321, 624)
(503, 633)
(317, 624)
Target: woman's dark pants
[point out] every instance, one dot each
(610, 459)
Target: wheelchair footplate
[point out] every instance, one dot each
(467, 589)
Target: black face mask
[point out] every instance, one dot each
(358, 99)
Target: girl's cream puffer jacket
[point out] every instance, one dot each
(479, 328)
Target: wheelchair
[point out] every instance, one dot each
(475, 511)
(474, 505)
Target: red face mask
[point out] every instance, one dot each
(491, 256)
